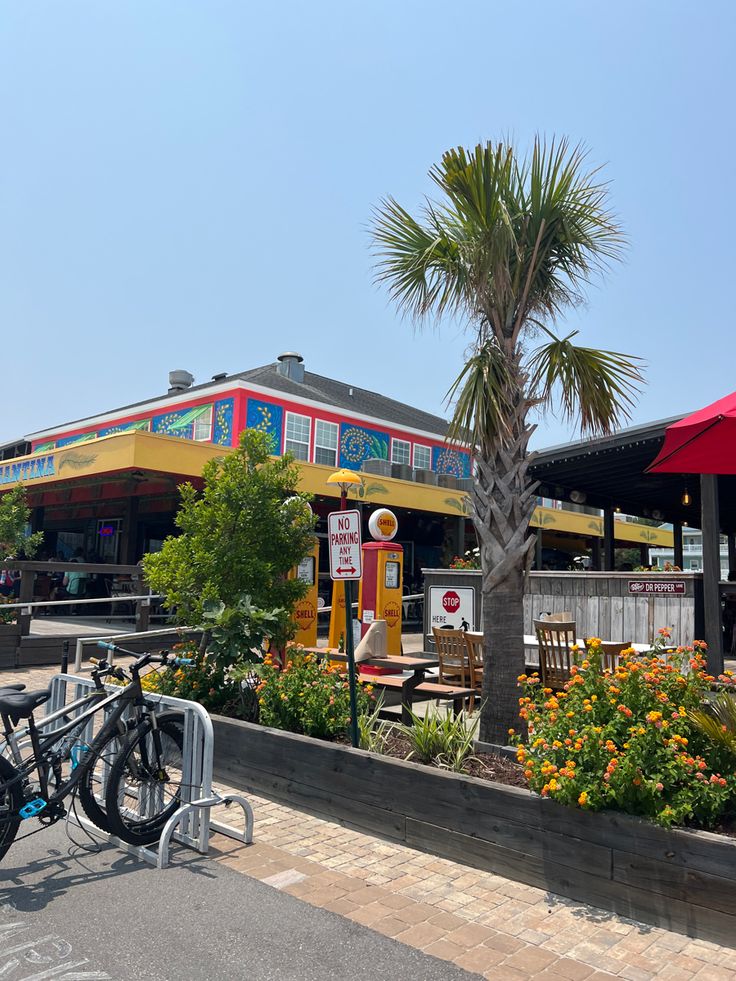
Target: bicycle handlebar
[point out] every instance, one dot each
(143, 659)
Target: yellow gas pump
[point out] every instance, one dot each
(381, 588)
(305, 611)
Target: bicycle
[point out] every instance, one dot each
(141, 757)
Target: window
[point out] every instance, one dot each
(325, 443)
(203, 426)
(298, 432)
(422, 457)
(400, 451)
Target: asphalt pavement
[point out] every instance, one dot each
(71, 915)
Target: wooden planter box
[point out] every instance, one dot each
(9, 641)
(679, 880)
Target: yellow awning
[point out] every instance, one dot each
(154, 453)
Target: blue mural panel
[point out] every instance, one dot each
(358, 444)
(223, 425)
(266, 417)
(169, 424)
(125, 427)
(79, 438)
(446, 460)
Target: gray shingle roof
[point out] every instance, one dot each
(315, 387)
(338, 394)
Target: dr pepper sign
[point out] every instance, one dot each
(346, 556)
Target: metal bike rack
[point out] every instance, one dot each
(192, 823)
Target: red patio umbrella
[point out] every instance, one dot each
(704, 442)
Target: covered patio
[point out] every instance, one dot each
(610, 474)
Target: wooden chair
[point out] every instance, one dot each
(555, 638)
(474, 644)
(611, 653)
(455, 665)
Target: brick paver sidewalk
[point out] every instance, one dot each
(483, 922)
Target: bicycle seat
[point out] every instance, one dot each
(11, 689)
(20, 705)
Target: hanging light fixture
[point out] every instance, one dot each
(578, 497)
(686, 500)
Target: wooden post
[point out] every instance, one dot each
(596, 554)
(609, 536)
(142, 615)
(643, 555)
(27, 580)
(710, 527)
(677, 541)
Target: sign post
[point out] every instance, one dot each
(346, 564)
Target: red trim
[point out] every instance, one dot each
(241, 397)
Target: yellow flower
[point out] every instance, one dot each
(583, 798)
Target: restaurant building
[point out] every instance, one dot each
(108, 483)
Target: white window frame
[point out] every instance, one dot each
(307, 443)
(208, 437)
(422, 446)
(320, 446)
(407, 444)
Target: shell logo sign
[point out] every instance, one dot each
(305, 613)
(383, 525)
(391, 614)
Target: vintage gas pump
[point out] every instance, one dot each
(305, 611)
(381, 588)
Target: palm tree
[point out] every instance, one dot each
(511, 246)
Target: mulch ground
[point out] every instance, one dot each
(483, 765)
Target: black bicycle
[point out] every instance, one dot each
(135, 758)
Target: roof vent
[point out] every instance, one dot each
(180, 381)
(219, 377)
(291, 365)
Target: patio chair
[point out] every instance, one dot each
(555, 638)
(474, 644)
(455, 664)
(611, 653)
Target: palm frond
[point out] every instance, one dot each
(719, 723)
(593, 388)
(479, 394)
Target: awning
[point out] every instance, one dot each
(704, 442)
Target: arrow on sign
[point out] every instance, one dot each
(351, 569)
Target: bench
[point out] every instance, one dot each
(428, 689)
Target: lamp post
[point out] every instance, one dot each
(345, 479)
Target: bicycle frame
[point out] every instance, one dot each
(131, 694)
(15, 739)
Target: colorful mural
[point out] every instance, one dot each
(79, 438)
(141, 425)
(266, 417)
(223, 425)
(454, 462)
(358, 444)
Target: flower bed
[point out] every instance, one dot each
(629, 739)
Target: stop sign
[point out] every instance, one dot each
(451, 601)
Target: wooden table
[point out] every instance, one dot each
(416, 666)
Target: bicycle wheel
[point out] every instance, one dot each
(144, 786)
(11, 801)
(92, 786)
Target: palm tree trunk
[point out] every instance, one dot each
(503, 504)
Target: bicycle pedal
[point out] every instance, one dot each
(32, 808)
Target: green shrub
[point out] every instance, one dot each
(308, 696)
(440, 738)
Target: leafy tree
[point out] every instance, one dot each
(511, 245)
(14, 517)
(240, 537)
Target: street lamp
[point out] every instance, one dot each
(345, 479)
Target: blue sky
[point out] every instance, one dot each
(188, 185)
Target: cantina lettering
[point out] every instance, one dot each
(43, 466)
